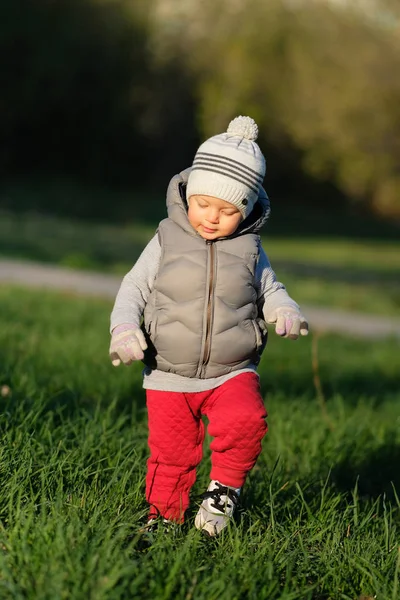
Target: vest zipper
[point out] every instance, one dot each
(210, 302)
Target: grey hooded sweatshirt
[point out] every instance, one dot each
(204, 303)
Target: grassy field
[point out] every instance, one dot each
(359, 275)
(320, 515)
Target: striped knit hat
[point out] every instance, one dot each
(230, 166)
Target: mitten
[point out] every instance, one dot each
(289, 322)
(127, 344)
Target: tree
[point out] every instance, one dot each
(318, 78)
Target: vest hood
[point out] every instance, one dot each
(177, 207)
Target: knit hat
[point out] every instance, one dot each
(230, 166)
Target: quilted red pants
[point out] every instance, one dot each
(236, 415)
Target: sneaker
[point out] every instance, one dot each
(217, 508)
(157, 523)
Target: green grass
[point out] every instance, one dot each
(320, 515)
(345, 274)
(105, 246)
(364, 255)
(76, 244)
(367, 297)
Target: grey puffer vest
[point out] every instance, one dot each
(202, 318)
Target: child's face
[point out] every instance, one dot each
(212, 217)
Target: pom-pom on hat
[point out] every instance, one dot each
(230, 166)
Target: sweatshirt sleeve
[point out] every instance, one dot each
(271, 293)
(136, 286)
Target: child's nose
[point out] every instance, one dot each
(213, 216)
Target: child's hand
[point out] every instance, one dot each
(127, 345)
(289, 322)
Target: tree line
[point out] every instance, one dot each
(120, 92)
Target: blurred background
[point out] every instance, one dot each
(103, 101)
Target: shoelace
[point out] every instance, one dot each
(155, 524)
(215, 495)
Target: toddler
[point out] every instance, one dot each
(194, 309)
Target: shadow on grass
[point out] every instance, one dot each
(99, 259)
(327, 272)
(370, 477)
(351, 387)
(376, 473)
(70, 405)
(71, 243)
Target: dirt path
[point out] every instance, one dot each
(105, 286)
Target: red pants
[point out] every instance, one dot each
(236, 415)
